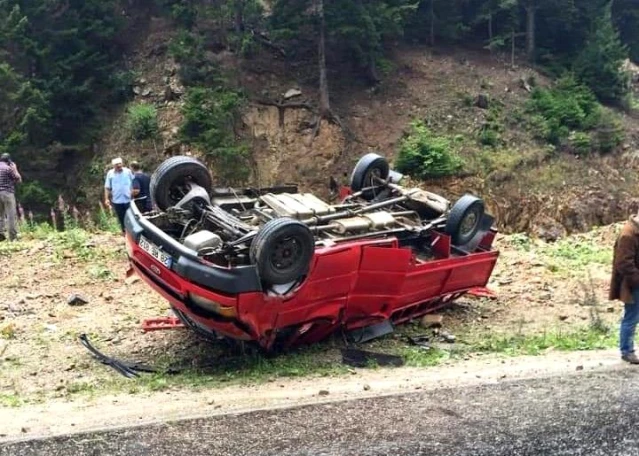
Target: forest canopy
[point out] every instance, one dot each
(61, 61)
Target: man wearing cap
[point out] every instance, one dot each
(117, 189)
(9, 177)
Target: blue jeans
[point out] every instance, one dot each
(628, 324)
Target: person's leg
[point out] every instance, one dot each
(3, 215)
(120, 210)
(12, 217)
(628, 327)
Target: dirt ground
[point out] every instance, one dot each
(41, 358)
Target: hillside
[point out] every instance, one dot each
(527, 186)
(549, 297)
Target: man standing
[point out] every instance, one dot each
(117, 189)
(9, 177)
(141, 188)
(624, 285)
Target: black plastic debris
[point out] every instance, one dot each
(422, 342)
(129, 370)
(361, 335)
(360, 358)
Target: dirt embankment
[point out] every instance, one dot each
(539, 288)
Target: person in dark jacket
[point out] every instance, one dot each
(141, 192)
(624, 285)
(9, 177)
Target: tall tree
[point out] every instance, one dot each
(599, 64)
(531, 7)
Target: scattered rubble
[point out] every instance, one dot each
(77, 300)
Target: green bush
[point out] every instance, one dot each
(492, 129)
(209, 124)
(608, 131)
(142, 121)
(557, 114)
(599, 63)
(424, 155)
(189, 50)
(581, 142)
(34, 194)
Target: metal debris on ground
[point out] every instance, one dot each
(422, 342)
(129, 370)
(360, 358)
(447, 337)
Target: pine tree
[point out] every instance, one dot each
(599, 64)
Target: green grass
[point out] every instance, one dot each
(316, 361)
(321, 360)
(585, 338)
(566, 256)
(10, 400)
(74, 242)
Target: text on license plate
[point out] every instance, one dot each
(153, 250)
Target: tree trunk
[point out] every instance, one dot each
(432, 22)
(239, 16)
(531, 16)
(325, 106)
(490, 26)
(512, 48)
(373, 74)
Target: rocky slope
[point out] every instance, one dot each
(525, 187)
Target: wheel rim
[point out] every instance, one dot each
(469, 223)
(178, 189)
(287, 253)
(368, 178)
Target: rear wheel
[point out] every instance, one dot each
(464, 219)
(366, 170)
(282, 251)
(170, 179)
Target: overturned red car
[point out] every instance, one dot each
(280, 267)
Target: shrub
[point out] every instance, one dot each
(209, 123)
(142, 121)
(608, 131)
(569, 107)
(581, 143)
(492, 129)
(424, 155)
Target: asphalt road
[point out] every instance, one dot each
(586, 414)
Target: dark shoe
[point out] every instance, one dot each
(2, 237)
(630, 358)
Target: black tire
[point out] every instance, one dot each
(369, 165)
(464, 219)
(168, 180)
(282, 251)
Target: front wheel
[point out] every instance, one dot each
(282, 251)
(170, 179)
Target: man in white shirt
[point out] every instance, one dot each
(117, 189)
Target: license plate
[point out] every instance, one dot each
(153, 250)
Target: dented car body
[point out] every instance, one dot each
(282, 268)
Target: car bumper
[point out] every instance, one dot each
(185, 262)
